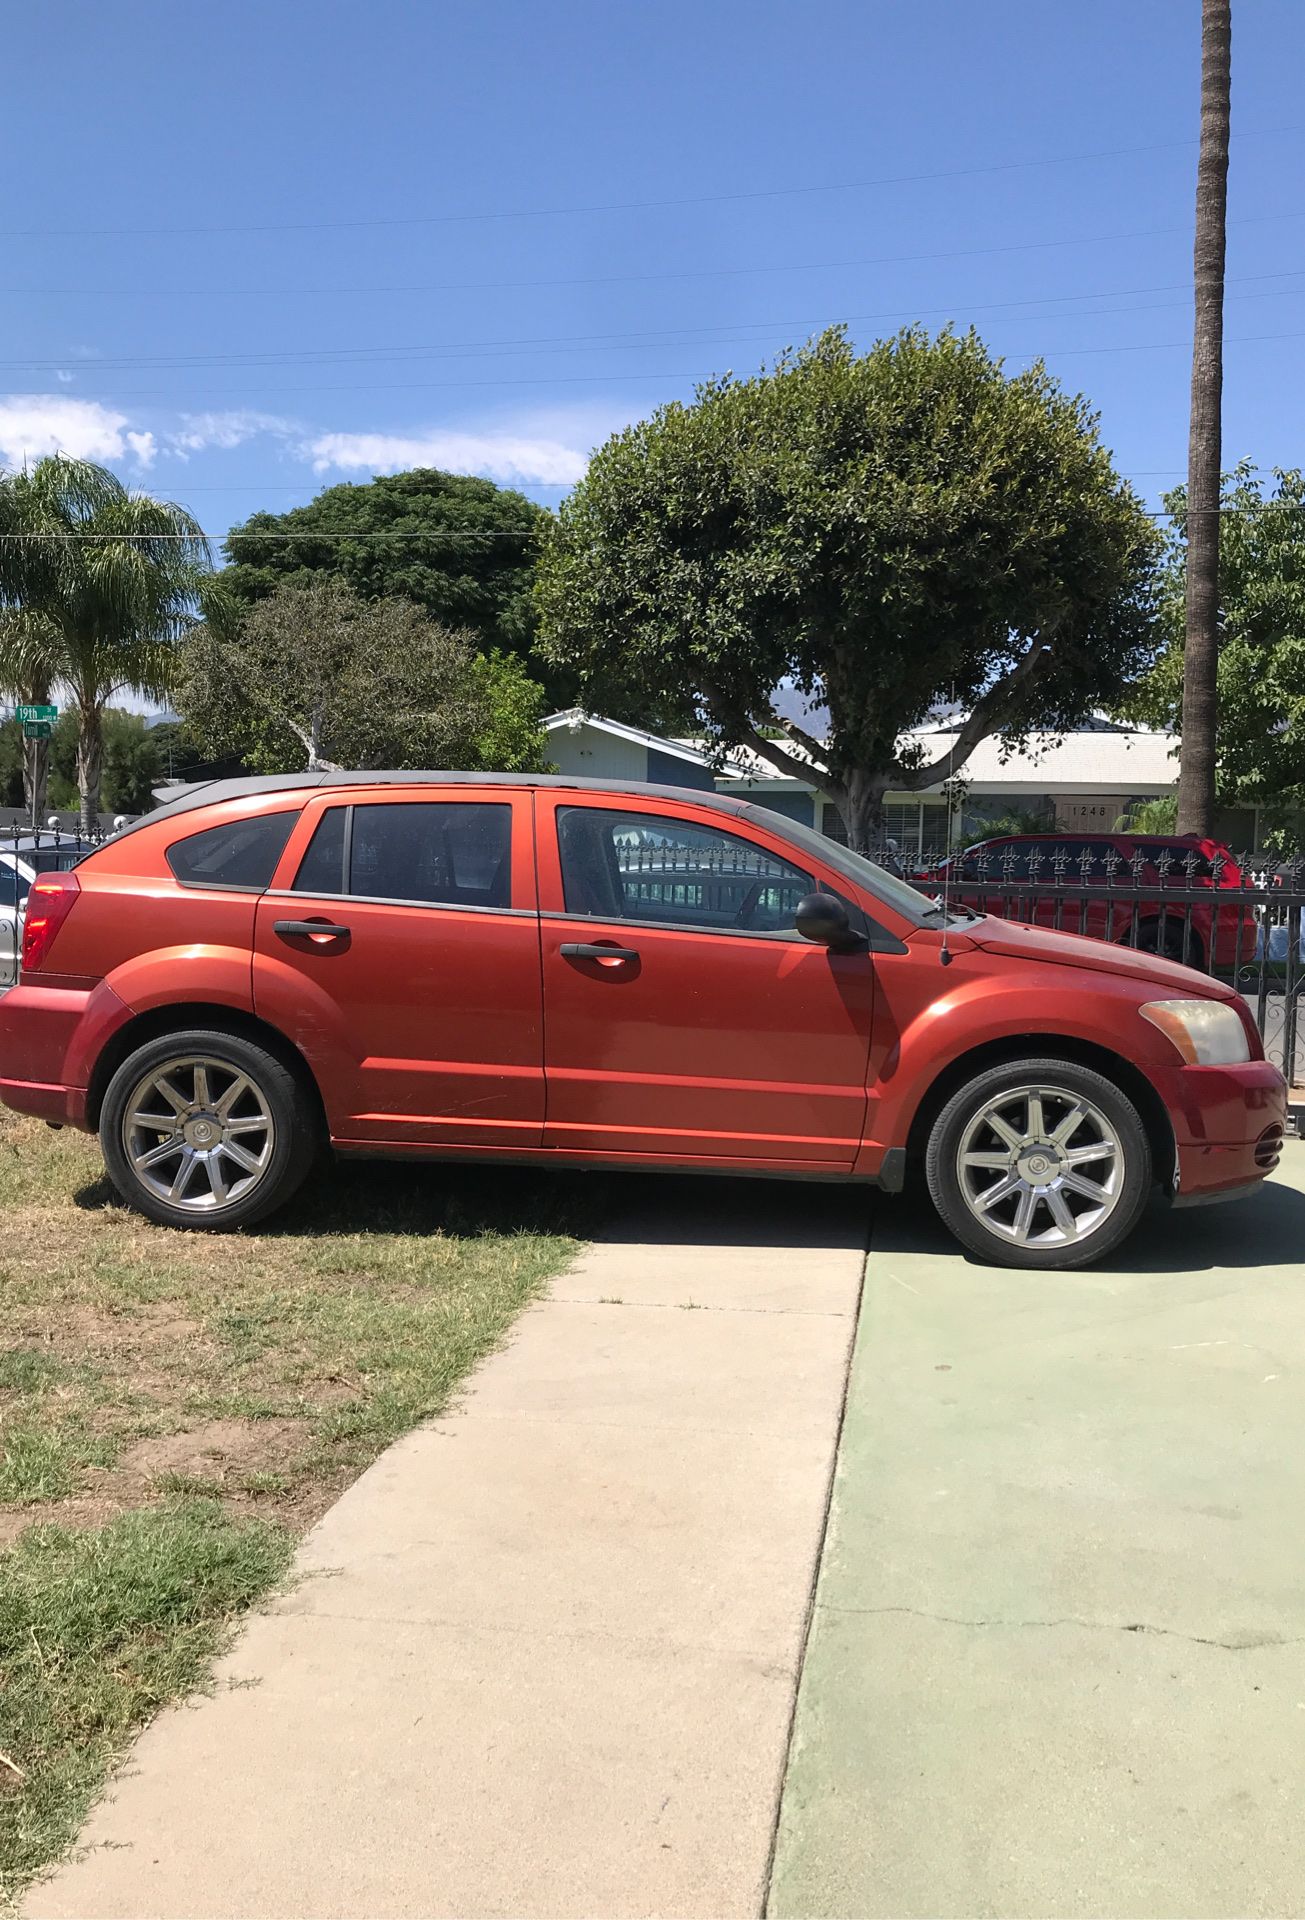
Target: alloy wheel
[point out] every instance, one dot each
(198, 1134)
(1041, 1166)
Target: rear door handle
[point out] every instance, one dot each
(612, 956)
(309, 930)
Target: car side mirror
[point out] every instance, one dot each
(822, 918)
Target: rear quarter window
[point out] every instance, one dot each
(241, 854)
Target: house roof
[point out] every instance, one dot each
(1110, 761)
(573, 718)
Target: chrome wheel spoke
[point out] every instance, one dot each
(181, 1179)
(1022, 1225)
(990, 1161)
(165, 1150)
(1081, 1156)
(223, 1108)
(256, 1123)
(153, 1122)
(200, 1097)
(998, 1191)
(241, 1156)
(216, 1178)
(1062, 1213)
(1002, 1129)
(1070, 1125)
(1035, 1125)
(164, 1086)
(1075, 1183)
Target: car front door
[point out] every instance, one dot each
(399, 950)
(684, 1016)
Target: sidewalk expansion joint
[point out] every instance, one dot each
(1240, 1643)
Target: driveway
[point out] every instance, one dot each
(1057, 1660)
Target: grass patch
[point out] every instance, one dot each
(97, 1631)
(176, 1408)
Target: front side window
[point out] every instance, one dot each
(447, 853)
(240, 853)
(655, 868)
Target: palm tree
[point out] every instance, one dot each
(1201, 646)
(103, 579)
(27, 645)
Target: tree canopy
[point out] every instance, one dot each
(315, 676)
(96, 582)
(1261, 740)
(887, 532)
(460, 548)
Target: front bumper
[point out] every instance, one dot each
(50, 1039)
(1228, 1125)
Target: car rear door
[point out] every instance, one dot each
(685, 1018)
(399, 950)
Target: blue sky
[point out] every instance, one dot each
(252, 250)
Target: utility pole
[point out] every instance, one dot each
(1204, 446)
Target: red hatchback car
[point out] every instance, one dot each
(1130, 875)
(552, 971)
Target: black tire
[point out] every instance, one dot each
(1171, 948)
(285, 1147)
(1111, 1130)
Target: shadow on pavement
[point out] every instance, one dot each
(1266, 1229)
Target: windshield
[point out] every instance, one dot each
(876, 880)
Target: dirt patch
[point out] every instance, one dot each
(215, 1451)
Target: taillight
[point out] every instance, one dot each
(49, 903)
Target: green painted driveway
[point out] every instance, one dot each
(1057, 1661)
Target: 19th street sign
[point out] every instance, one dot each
(32, 715)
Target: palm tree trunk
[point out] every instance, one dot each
(90, 763)
(1196, 784)
(36, 758)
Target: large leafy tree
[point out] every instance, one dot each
(314, 676)
(1261, 663)
(887, 531)
(105, 580)
(460, 548)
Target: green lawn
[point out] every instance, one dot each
(176, 1408)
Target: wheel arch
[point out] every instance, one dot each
(179, 1017)
(1127, 1077)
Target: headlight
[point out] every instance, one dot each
(1208, 1033)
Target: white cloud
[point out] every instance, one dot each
(523, 458)
(227, 429)
(33, 424)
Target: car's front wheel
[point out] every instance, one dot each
(1039, 1163)
(206, 1130)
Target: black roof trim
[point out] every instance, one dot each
(204, 793)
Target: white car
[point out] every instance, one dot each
(20, 861)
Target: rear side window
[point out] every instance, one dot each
(240, 853)
(437, 853)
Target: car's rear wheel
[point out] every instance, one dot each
(1039, 1163)
(1169, 944)
(206, 1130)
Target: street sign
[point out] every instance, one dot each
(43, 713)
(37, 729)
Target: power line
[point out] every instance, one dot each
(590, 379)
(624, 206)
(614, 279)
(641, 337)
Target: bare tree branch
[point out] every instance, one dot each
(984, 717)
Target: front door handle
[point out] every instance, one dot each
(608, 956)
(309, 930)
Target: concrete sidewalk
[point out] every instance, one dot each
(1057, 1662)
(543, 1657)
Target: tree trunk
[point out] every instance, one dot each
(1196, 780)
(90, 765)
(862, 808)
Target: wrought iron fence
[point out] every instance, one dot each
(1240, 918)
